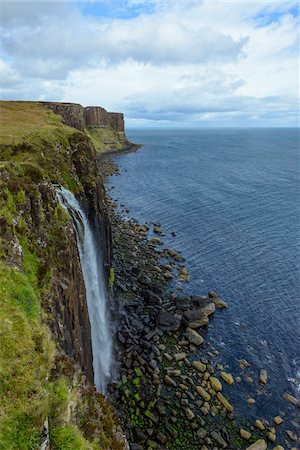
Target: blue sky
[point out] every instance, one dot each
(161, 62)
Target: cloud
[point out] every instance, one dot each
(160, 60)
(53, 45)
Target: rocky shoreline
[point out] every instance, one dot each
(168, 396)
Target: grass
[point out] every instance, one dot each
(25, 360)
(104, 139)
(36, 147)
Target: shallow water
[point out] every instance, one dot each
(232, 198)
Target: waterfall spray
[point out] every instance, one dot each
(92, 269)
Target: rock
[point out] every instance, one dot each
(220, 304)
(251, 401)
(194, 337)
(219, 440)
(168, 275)
(278, 420)
(171, 253)
(263, 376)
(189, 414)
(225, 402)
(151, 297)
(291, 435)
(134, 446)
(278, 447)
(258, 445)
(168, 357)
(212, 294)
(215, 384)
(227, 377)
(179, 356)
(197, 318)
(243, 363)
(158, 230)
(170, 381)
(161, 438)
(155, 241)
(259, 425)
(245, 434)
(202, 392)
(167, 321)
(183, 303)
(201, 433)
(289, 398)
(271, 436)
(199, 366)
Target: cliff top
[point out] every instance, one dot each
(37, 122)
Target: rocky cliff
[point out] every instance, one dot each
(45, 332)
(75, 115)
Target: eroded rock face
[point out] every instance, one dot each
(76, 116)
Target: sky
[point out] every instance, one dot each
(163, 63)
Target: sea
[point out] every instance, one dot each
(232, 198)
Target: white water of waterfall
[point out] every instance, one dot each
(92, 269)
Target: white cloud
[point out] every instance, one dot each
(186, 62)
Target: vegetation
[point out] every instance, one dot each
(104, 139)
(37, 385)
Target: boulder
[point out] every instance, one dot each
(245, 434)
(215, 384)
(263, 377)
(155, 241)
(224, 402)
(183, 303)
(227, 377)
(258, 445)
(259, 425)
(152, 298)
(168, 275)
(278, 420)
(196, 318)
(220, 304)
(202, 392)
(179, 356)
(289, 398)
(219, 440)
(199, 366)
(167, 321)
(193, 336)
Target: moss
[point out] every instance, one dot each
(68, 438)
(111, 277)
(61, 216)
(20, 197)
(25, 361)
(104, 139)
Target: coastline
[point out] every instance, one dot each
(168, 397)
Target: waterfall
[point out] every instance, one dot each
(92, 269)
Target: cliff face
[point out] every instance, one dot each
(76, 116)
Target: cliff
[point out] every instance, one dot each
(105, 127)
(46, 375)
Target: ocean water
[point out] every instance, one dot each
(232, 197)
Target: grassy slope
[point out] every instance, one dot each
(34, 147)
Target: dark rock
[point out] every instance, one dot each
(168, 322)
(152, 298)
(134, 446)
(183, 303)
(162, 438)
